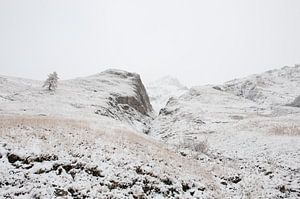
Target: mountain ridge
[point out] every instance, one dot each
(98, 136)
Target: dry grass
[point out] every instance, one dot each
(76, 138)
(46, 122)
(20, 129)
(292, 130)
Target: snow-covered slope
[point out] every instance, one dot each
(279, 86)
(85, 140)
(113, 93)
(79, 142)
(48, 157)
(162, 89)
(251, 144)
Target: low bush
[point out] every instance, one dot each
(200, 146)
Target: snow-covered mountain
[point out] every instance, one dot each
(88, 139)
(162, 89)
(242, 133)
(113, 93)
(279, 86)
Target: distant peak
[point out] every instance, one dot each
(170, 81)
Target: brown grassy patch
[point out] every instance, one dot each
(48, 122)
(292, 130)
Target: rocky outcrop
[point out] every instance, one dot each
(296, 102)
(128, 99)
(139, 100)
(120, 95)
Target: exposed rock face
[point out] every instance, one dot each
(296, 102)
(140, 100)
(131, 103)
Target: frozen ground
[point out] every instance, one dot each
(86, 140)
(253, 150)
(98, 137)
(56, 157)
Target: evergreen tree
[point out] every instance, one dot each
(51, 81)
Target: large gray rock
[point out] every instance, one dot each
(296, 102)
(139, 100)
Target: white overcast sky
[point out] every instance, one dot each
(197, 41)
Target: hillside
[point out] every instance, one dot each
(86, 140)
(254, 140)
(278, 87)
(113, 93)
(99, 137)
(47, 157)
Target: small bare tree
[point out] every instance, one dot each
(51, 81)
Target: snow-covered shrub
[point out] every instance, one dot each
(51, 81)
(199, 146)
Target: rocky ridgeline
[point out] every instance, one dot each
(277, 87)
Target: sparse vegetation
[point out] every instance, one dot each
(293, 130)
(97, 159)
(199, 146)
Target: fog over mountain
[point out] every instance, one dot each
(197, 42)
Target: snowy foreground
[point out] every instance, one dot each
(98, 137)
